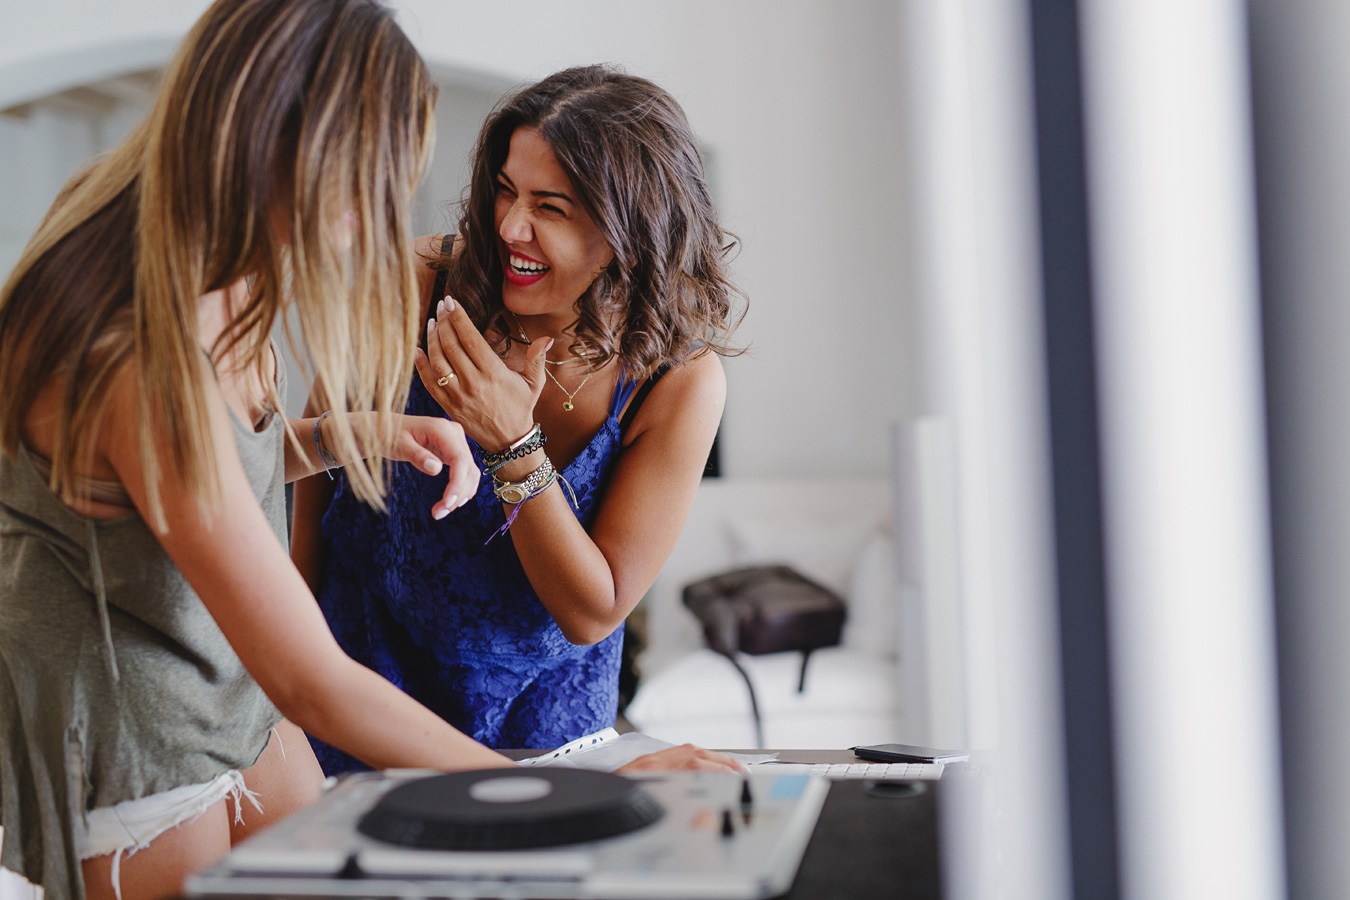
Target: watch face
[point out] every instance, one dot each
(513, 493)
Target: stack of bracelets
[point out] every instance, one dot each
(534, 484)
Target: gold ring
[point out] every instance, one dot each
(446, 379)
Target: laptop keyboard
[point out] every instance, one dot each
(878, 771)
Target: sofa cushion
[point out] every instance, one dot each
(873, 596)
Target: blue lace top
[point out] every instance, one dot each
(450, 617)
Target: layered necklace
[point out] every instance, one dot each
(568, 404)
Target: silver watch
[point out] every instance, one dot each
(520, 491)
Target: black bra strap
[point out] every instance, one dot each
(437, 288)
(639, 395)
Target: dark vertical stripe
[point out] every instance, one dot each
(1290, 368)
(1075, 448)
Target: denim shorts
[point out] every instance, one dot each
(131, 825)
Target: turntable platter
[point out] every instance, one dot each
(508, 809)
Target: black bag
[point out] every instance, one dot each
(765, 609)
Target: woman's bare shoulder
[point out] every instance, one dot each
(701, 372)
(692, 388)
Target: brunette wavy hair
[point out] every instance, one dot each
(276, 120)
(631, 156)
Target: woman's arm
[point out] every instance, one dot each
(310, 501)
(429, 443)
(590, 581)
(232, 559)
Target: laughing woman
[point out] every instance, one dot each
(575, 328)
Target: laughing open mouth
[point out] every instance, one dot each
(522, 265)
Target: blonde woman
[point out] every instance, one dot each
(156, 643)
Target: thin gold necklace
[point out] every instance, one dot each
(568, 404)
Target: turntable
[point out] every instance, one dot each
(540, 833)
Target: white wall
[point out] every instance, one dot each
(799, 107)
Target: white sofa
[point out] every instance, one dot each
(837, 531)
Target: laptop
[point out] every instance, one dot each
(699, 835)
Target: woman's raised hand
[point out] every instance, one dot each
(431, 443)
(493, 402)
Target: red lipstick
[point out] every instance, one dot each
(522, 277)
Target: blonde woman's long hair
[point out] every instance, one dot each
(284, 129)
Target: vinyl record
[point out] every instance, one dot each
(509, 809)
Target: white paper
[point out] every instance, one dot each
(607, 750)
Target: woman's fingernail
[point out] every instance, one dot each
(431, 325)
(439, 512)
(448, 303)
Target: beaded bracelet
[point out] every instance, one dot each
(329, 460)
(532, 441)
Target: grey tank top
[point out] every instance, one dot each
(115, 682)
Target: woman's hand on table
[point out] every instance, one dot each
(683, 757)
